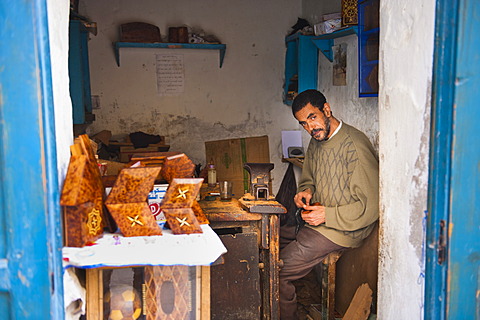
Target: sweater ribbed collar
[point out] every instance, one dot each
(335, 138)
(336, 130)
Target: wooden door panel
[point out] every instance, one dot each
(235, 284)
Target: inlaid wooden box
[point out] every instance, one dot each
(166, 292)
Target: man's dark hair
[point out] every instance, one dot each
(312, 96)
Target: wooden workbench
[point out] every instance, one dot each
(251, 265)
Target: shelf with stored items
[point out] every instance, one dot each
(368, 46)
(368, 43)
(301, 61)
(222, 48)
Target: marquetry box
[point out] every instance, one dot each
(82, 197)
(149, 293)
(349, 12)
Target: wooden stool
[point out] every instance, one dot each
(329, 266)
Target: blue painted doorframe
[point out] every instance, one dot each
(453, 242)
(30, 226)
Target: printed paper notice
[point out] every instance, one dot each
(170, 74)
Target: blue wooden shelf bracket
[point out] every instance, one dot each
(325, 47)
(325, 42)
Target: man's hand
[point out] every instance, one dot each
(302, 199)
(314, 214)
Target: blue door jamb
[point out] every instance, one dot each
(53, 212)
(451, 290)
(440, 155)
(463, 274)
(31, 230)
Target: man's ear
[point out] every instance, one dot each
(326, 110)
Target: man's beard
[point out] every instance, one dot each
(325, 131)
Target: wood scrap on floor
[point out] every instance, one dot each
(308, 293)
(359, 308)
(315, 312)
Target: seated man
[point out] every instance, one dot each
(338, 188)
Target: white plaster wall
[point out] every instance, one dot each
(344, 101)
(406, 58)
(58, 16)
(243, 98)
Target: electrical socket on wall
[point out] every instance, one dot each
(95, 102)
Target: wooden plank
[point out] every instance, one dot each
(249, 203)
(270, 272)
(113, 167)
(227, 211)
(205, 293)
(357, 266)
(332, 271)
(94, 284)
(314, 312)
(328, 285)
(359, 308)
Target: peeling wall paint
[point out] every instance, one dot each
(405, 74)
(241, 99)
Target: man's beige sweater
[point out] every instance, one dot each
(342, 173)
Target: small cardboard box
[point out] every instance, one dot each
(230, 155)
(155, 197)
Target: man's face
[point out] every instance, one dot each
(315, 121)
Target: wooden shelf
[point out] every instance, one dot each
(205, 46)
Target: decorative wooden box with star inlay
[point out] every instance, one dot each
(82, 197)
(181, 167)
(177, 205)
(127, 202)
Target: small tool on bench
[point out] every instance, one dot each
(259, 179)
(259, 200)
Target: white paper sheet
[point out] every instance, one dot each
(170, 74)
(291, 138)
